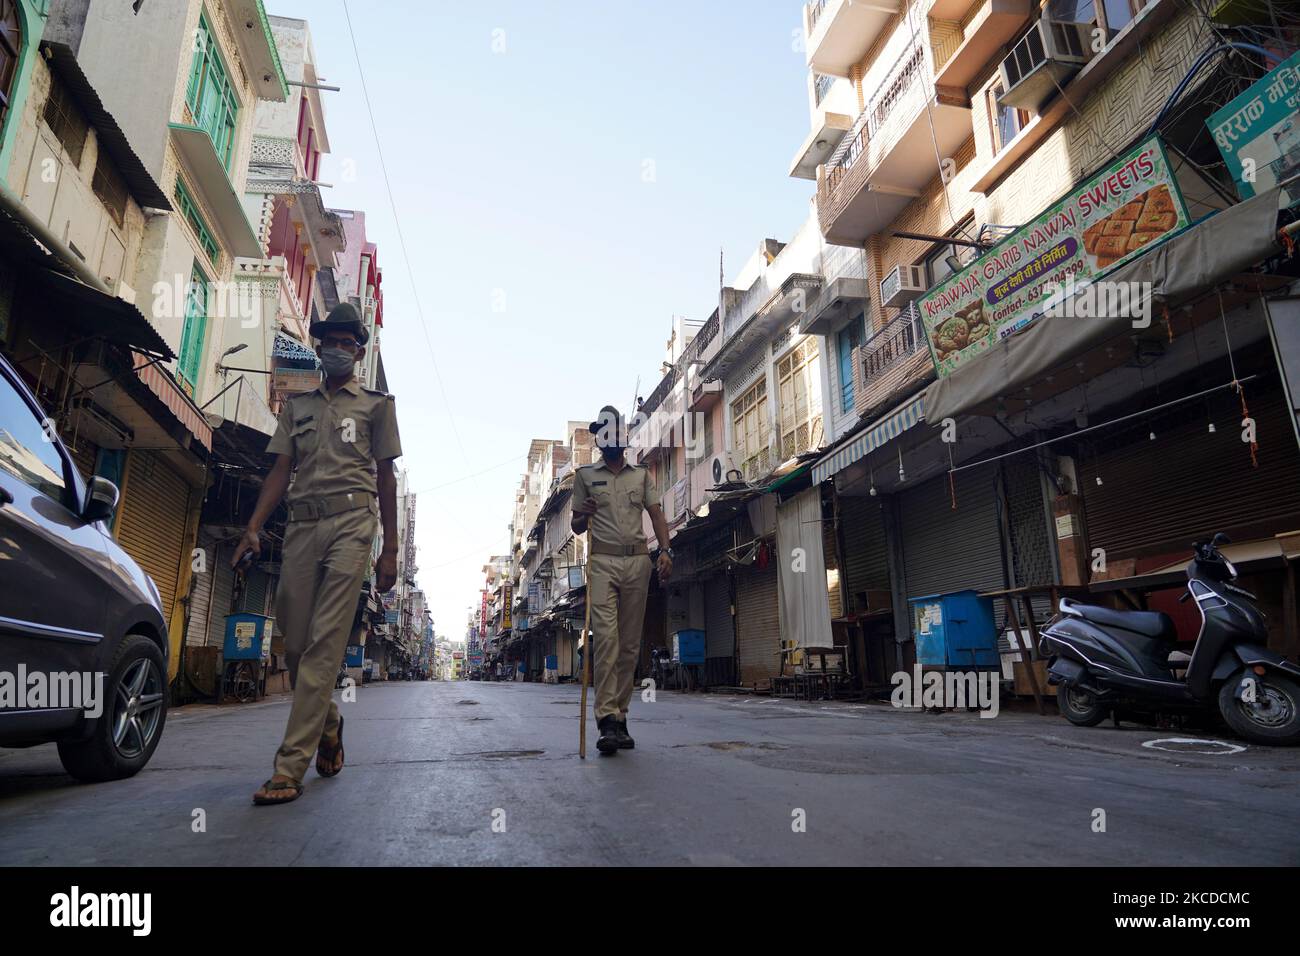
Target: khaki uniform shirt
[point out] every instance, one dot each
(621, 497)
(335, 440)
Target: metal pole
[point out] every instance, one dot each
(586, 656)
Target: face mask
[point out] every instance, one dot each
(612, 454)
(337, 362)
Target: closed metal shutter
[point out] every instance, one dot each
(758, 627)
(256, 589)
(152, 524)
(831, 558)
(1032, 548)
(223, 586)
(1145, 507)
(719, 638)
(196, 631)
(952, 550)
(866, 551)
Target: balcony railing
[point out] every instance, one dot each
(905, 81)
(821, 86)
(893, 358)
(814, 13)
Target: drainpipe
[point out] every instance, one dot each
(10, 204)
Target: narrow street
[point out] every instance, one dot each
(714, 780)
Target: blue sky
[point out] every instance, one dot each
(520, 179)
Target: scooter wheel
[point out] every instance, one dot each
(1272, 716)
(1080, 707)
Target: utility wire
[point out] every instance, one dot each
(401, 240)
(456, 481)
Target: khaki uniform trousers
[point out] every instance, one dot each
(617, 590)
(325, 561)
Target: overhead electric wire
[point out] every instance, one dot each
(401, 240)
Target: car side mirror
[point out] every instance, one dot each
(101, 500)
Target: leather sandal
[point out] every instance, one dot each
(327, 754)
(275, 786)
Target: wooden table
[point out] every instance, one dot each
(1029, 649)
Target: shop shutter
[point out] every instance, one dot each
(866, 551)
(758, 627)
(834, 577)
(719, 638)
(1145, 506)
(256, 587)
(952, 550)
(151, 526)
(1031, 545)
(196, 630)
(223, 586)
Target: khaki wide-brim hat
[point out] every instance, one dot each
(344, 317)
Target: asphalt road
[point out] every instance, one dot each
(475, 773)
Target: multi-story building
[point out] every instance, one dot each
(996, 146)
(133, 187)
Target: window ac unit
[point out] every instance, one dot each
(1045, 57)
(905, 284)
(723, 468)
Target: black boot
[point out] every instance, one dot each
(625, 742)
(608, 742)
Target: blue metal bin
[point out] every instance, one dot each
(955, 630)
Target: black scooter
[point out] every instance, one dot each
(1101, 659)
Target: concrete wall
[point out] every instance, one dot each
(32, 24)
(59, 192)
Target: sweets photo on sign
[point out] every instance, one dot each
(1097, 227)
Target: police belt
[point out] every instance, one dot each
(624, 550)
(314, 508)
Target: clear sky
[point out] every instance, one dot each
(565, 175)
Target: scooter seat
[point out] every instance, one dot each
(1155, 624)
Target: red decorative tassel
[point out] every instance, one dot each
(1245, 413)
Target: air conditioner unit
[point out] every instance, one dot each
(723, 468)
(905, 284)
(1044, 58)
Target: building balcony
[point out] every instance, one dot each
(821, 142)
(258, 48)
(893, 362)
(984, 34)
(890, 155)
(198, 154)
(839, 32)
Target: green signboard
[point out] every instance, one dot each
(1103, 223)
(1258, 133)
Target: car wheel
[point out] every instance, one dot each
(135, 708)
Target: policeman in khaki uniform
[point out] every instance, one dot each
(609, 497)
(341, 439)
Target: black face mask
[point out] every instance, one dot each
(611, 454)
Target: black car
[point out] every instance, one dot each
(80, 622)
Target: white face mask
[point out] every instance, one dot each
(337, 362)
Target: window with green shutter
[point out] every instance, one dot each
(189, 210)
(194, 331)
(210, 97)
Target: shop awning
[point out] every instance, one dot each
(99, 314)
(1207, 253)
(886, 428)
(143, 187)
